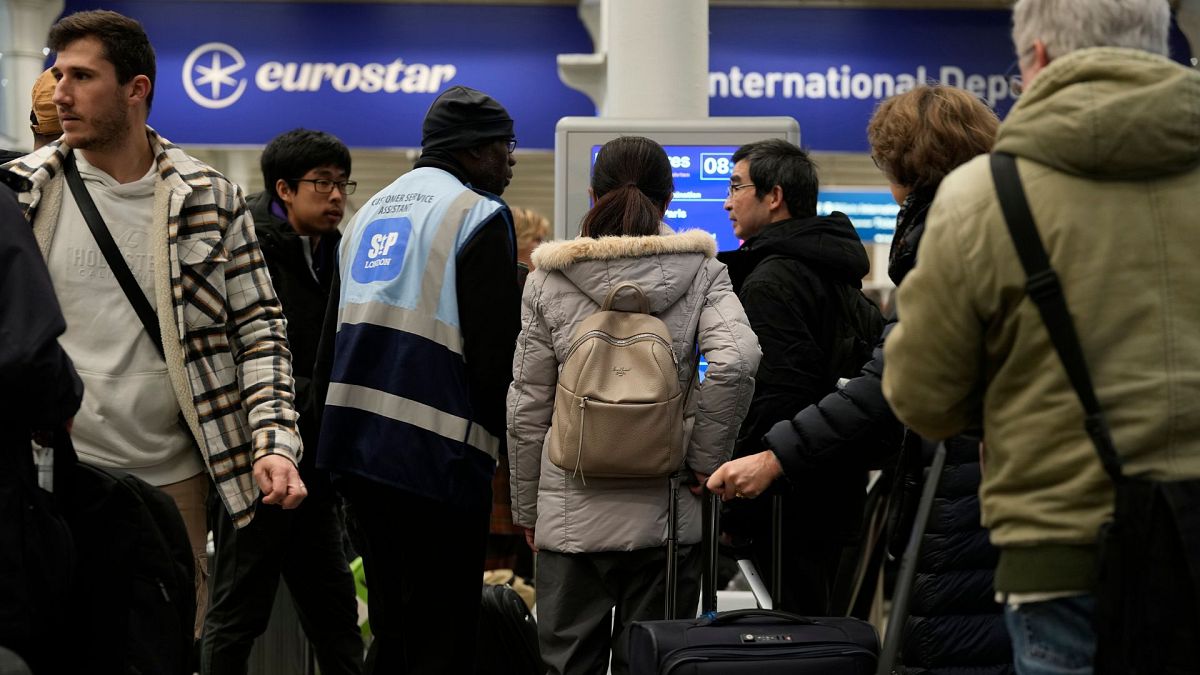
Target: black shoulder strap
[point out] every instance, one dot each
(1043, 286)
(116, 261)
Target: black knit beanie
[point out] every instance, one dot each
(462, 117)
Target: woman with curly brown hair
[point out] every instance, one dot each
(916, 139)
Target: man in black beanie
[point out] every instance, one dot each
(415, 363)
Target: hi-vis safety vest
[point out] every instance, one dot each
(398, 409)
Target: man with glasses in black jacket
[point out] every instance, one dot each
(307, 176)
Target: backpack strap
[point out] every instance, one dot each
(643, 301)
(1044, 288)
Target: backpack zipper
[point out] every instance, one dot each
(579, 455)
(621, 342)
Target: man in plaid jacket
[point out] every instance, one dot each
(212, 404)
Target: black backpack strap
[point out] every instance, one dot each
(116, 261)
(1043, 286)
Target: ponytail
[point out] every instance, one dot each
(632, 184)
(625, 211)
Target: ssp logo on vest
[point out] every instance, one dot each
(380, 255)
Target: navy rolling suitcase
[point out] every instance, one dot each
(757, 641)
(753, 641)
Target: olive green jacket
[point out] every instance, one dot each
(1108, 142)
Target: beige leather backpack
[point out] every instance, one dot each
(618, 407)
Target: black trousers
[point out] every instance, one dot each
(424, 565)
(578, 593)
(304, 545)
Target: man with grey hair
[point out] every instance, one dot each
(1108, 150)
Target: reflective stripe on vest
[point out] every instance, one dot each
(415, 413)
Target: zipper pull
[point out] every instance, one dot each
(579, 455)
(163, 587)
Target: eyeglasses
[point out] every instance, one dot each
(325, 186)
(1016, 83)
(734, 187)
(512, 145)
(1013, 76)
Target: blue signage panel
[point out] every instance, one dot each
(242, 72)
(873, 211)
(829, 68)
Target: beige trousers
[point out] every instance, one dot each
(191, 497)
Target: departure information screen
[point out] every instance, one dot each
(701, 174)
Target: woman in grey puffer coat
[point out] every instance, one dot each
(602, 545)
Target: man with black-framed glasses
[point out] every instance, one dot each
(799, 277)
(307, 176)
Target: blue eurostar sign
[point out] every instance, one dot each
(242, 72)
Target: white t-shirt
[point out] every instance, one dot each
(129, 418)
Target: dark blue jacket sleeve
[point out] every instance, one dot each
(41, 389)
(854, 419)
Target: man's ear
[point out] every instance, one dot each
(139, 88)
(775, 198)
(285, 192)
(1040, 58)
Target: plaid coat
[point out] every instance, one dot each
(222, 326)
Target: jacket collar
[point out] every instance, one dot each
(557, 255)
(175, 167)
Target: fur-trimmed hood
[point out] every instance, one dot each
(663, 266)
(556, 255)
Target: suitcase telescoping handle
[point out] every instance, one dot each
(908, 566)
(777, 548)
(711, 535)
(672, 547)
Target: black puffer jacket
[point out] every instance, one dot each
(800, 282)
(956, 626)
(855, 418)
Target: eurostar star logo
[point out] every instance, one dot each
(209, 69)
